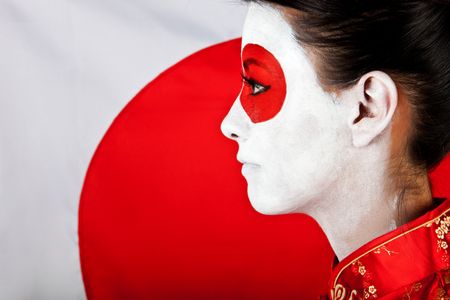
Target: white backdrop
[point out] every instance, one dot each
(67, 67)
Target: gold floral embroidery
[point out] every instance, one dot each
(353, 293)
(446, 220)
(362, 270)
(442, 229)
(440, 233)
(359, 269)
(446, 276)
(441, 294)
(385, 249)
(416, 287)
(372, 290)
(443, 222)
(339, 293)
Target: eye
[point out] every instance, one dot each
(263, 84)
(257, 88)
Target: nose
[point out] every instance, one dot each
(235, 125)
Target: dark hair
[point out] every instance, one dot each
(407, 39)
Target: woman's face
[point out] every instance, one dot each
(289, 130)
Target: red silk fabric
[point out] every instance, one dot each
(412, 262)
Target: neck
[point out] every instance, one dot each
(365, 206)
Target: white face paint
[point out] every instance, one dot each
(293, 159)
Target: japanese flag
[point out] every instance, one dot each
(106, 198)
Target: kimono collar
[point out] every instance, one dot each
(396, 260)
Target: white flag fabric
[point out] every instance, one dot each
(67, 69)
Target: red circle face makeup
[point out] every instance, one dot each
(264, 84)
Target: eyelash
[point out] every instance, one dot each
(254, 84)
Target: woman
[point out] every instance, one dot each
(345, 107)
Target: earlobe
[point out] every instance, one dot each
(374, 103)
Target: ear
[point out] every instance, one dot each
(373, 103)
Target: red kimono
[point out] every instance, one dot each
(411, 262)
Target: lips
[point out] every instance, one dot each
(249, 169)
(243, 159)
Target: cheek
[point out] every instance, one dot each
(300, 142)
(261, 66)
(306, 134)
(294, 146)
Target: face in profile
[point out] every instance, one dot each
(289, 130)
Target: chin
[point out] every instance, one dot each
(267, 205)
